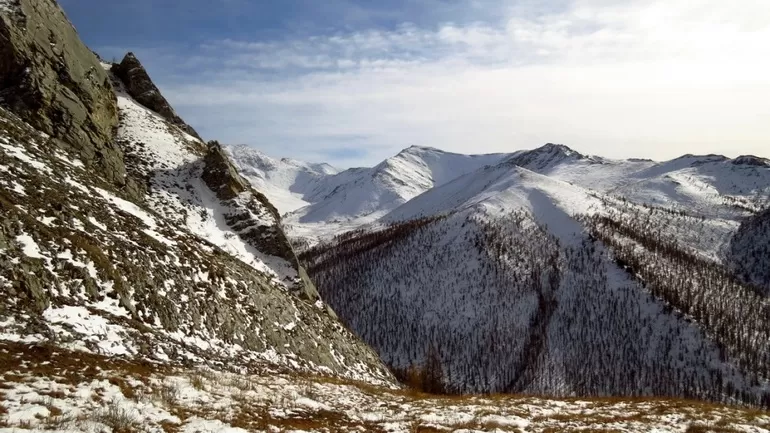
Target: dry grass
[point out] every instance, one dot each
(71, 368)
(706, 428)
(58, 422)
(239, 382)
(251, 407)
(198, 381)
(167, 394)
(118, 418)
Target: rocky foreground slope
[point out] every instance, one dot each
(122, 396)
(122, 234)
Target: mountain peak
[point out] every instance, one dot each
(141, 87)
(553, 148)
(544, 156)
(419, 150)
(752, 161)
(701, 159)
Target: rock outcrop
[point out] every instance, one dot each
(223, 178)
(192, 267)
(250, 214)
(140, 87)
(54, 82)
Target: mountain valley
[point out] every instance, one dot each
(509, 276)
(156, 282)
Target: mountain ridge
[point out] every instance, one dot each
(149, 286)
(617, 251)
(124, 234)
(704, 184)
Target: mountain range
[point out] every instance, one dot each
(318, 201)
(153, 281)
(508, 272)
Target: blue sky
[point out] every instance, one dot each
(351, 82)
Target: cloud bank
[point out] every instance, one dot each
(641, 78)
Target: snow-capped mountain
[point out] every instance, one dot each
(497, 190)
(395, 180)
(509, 276)
(711, 186)
(148, 286)
(286, 182)
(506, 280)
(560, 162)
(718, 189)
(339, 201)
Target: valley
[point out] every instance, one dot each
(153, 281)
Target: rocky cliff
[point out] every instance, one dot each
(54, 82)
(143, 90)
(123, 234)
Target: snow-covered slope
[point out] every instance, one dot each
(337, 202)
(706, 185)
(362, 194)
(498, 302)
(560, 162)
(497, 190)
(286, 182)
(505, 279)
(710, 186)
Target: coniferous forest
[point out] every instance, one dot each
(470, 303)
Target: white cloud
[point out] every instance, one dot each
(644, 78)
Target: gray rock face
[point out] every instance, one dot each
(70, 242)
(141, 88)
(251, 215)
(54, 82)
(190, 268)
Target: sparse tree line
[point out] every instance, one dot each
(734, 315)
(479, 305)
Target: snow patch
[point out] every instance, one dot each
(29, 246)
(109, 338)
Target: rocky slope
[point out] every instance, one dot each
(55, 82)
(123, 234)
(140, 87)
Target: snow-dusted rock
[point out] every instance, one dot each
(181, 261)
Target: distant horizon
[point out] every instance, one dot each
(349, 82)
(631, 158)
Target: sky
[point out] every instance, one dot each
(351, 82)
